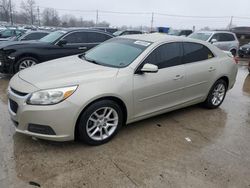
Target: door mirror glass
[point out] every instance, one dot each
(62, 42)
(149, 68)
(214, 41)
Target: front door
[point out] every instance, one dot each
(154, 92)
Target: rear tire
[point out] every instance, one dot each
(100, 122)
(234, 52)
(24, 63)
(216, 95)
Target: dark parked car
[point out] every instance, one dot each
(126, 32)
(180, 32)
(7, 34)
(106, 29)
(32, 35)
(244, 50)
(21, 55)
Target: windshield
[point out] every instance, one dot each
(117, 52)
(52, 37)
(200, 36)
(117, 33)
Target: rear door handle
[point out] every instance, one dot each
(211, 69)
(82, 48)
(178, 77)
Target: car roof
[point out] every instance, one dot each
(159, 37)
(214, 32)
(84, 29)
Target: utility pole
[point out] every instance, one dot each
(231, 23)
(38, 16)
(97, 17)
(11, 15)
(152, 21)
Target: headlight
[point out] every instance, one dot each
(50, 96)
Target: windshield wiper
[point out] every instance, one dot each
(90, 60)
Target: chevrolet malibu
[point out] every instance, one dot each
(123, 80)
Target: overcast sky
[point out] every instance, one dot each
(177, 7)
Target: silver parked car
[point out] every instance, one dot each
(123, 80)
(224, 40)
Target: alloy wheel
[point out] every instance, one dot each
(26, 64)
(102, 123)
(218, 94)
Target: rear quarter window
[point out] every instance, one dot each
(194, 52)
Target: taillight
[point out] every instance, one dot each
(236, 60)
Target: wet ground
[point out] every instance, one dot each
(192, 147)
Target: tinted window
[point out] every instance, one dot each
(76, 37)
(34, 36)
(223, 37)
(226, 37)
(166, 55)
(194, 52)
(93, 37)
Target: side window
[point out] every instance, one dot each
(94, 37)
(215, 36)
(224, 37)
(194, 52)
(166, 55)
(31, 36)
(76, 37)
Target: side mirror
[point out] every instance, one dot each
(62, 42)
(214, 41)
(149, 68)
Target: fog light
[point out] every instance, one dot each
(1, 63)
(41, 129)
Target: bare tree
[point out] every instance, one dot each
(50, 17)
(29, 10)
(5, 10)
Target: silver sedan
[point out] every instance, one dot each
(123, 80)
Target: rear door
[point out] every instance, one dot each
(154, 92)
(200, 69)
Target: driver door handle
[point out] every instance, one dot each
(178, 77)
(82, 48)
(211, 69)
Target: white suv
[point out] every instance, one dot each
(226, 41)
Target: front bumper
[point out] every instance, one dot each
(6, 65)
(243, 52)
(61, 118)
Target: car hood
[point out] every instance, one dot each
(20, 44)
(246, 46)
(67, 71)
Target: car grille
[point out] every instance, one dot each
(18, 92)
(13, 106)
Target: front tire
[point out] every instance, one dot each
(25, 62)
(100, 122)
(216, 95)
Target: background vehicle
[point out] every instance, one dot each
(226, 41)
(96, 93)
(7, 34)
(249, 67)
(244, 50)
(127, 32)
(21, 55)
(32, 35)
(180, 32)
(106, 29)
